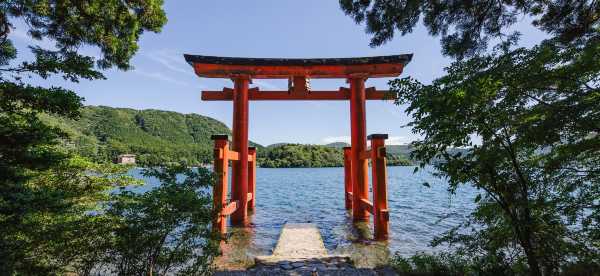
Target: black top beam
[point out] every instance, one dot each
(403, 59)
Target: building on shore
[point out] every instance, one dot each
(125, 159)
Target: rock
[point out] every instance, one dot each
(297, 264)
(320, 266)
(286, 266)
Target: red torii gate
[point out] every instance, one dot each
(298, 71)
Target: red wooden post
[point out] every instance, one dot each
(252, 177)
(381, 215)
(240, 144)
(360, 167)
(348, 177)
(221, 147)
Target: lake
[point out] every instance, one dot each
(417, 213)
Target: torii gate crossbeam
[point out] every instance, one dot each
(298, 71)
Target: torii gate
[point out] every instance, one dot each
(298, 71)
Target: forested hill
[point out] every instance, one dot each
(159, 137)
(297, 155)
(155, 136)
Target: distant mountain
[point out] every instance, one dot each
(277, 145)
(155, 136)
(399, 150)
(337, 145)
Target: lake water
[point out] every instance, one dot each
(417, 213)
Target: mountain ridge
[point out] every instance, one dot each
(157, 137)
(154, 136)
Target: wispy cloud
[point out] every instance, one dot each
(160, 77)
(174, 62)
(170, 60)
(392, 140)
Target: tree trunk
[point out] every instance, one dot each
(526, 243)
(534, 268)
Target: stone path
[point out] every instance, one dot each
(300, 251)
(297, 241)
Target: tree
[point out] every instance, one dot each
(165, 230)
(531, 118)
(537, 114)
(106, 223)
(467, 27)
(57, 211)
(27, 145)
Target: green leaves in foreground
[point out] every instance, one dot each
(166, 229)
(88, 218)
(51, 221)
(531, 121)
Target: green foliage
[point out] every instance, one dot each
(165, 230)
(114, 27)
(311, 156)
(441, 264)
(537, 113)
(47, 222)
(448, 263)
(398, 160)
(28, 147)
(102, 224)
(300, 156)
(467, 27)
(156, 137)
(44, 200)
(26, 143)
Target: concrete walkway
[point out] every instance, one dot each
(300, 251)
(297, 241)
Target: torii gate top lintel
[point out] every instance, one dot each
(298, 71)
(282, 68)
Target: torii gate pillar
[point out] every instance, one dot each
(358, 129)
(239, 168)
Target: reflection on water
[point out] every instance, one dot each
(238, 252)
(417, 214)
(363, 251)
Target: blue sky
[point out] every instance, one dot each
(269, 28)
